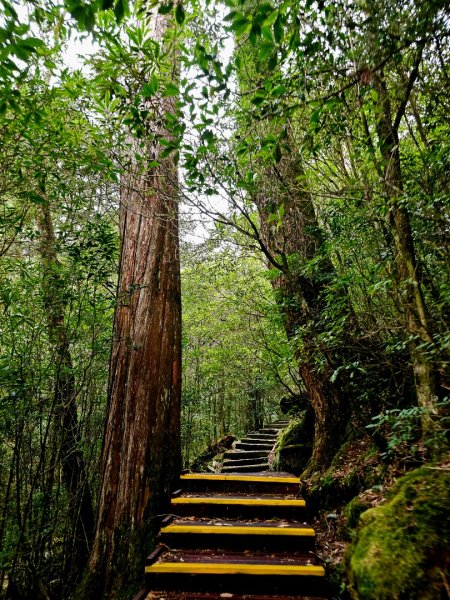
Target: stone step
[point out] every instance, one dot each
(261, 436)
(259, 440)
(253, 446)
(236, 454)
(270, 430)
(241, 461)
(249, 468)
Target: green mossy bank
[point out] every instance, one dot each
(402, 548)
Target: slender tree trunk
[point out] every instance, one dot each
(141, 455)
(407, 269)
(66, 428)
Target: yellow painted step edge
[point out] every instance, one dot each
(208, 477)
(238, 501)
(251, 530)
(234, 569)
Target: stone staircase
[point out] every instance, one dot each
(236, 535)
(251, 454)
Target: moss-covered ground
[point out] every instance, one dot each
(402, 547)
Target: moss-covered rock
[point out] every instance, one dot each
(355, 468)
(294, 445)
(402, 548)
(352, 511)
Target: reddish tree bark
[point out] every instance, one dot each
(294, 242)
(141, 448)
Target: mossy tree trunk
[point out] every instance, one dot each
(408, 271)
(291, 239)
(295, 242)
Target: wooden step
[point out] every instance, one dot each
(274, 483)
(238, 535)
(262, 436)
(270, 430)
(235, 506)
(163, 595)
(235, 572)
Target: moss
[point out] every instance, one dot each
(294, 444)
(292, 434)
(355, 468)
(353, 511)
(402, 547)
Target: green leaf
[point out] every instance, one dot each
(271, 18)
(33, 42)
(294, 42)
(241, 25)
(165, 9)
(121, 9)
(230, 16)
(266, 33)
(149, 89)
(180, 15)
(259, 98)
(278, 90)
(171, 90)
(314, 119)
(21, 51)
(241, 148)
(264, 51)
(277, 153)
(278, 30)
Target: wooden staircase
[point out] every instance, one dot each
(240, 536)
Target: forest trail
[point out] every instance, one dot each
(234, 535)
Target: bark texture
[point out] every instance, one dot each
(301, 296)
(141, 448)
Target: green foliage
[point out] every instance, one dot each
(400, 430)
(235, 354)
(401, 547)
(292, 112)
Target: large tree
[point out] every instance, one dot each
(141, 447)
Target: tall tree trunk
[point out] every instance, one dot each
(300, 294)
(407, 269)
(292, 245)
(141, 455)
(66, 429)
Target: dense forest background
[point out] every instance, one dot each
(312, 151)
